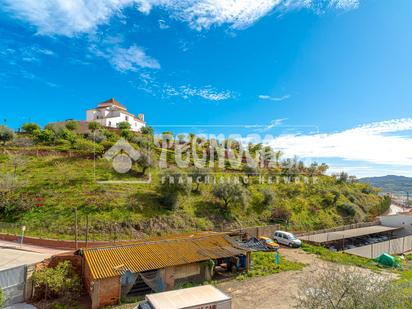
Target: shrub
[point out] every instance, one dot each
(199, 175)
(6, 134)
(268, 197)
(72, 125)
(172, 185)
(94, 125)
(60, 281)
(30, 127)
(88, 146)
(69, 135)
(147, 130)
(250, 170)
(109, 135)
(230, 193)
(145, 161)
(342, 288)
(124, 125)
(281, 213)
(346, 209)
(2, 298)
(46, 136)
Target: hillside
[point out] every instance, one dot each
(46, 182)
(390, 183)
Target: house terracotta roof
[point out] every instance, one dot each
(111, 102)
(106, 262)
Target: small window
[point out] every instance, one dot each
(127, 117)
(110, 123)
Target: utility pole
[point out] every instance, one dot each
(87, 229)
(75, 228)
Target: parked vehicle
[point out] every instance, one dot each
(204, 297)
(269, 243)
(287, 239)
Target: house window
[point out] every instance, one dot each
(127, 118)
(110, 123)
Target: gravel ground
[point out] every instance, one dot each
(279, 290)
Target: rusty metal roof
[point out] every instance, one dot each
(106, 262)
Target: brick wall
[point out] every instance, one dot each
(109, 291)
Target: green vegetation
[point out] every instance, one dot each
(2, 298)
(342, 288)
(263, 264)
(57, 282)
(6, 134)
(340, 257)
(49, 174)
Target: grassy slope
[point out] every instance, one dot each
(63, 184)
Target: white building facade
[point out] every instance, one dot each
(110, 113)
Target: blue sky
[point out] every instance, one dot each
(329, 79)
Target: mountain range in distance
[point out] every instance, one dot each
(390, 183)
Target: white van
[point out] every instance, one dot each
(200, 297)
(287, 239)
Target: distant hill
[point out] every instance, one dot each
(390, 183)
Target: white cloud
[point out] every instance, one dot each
(276, 99)
(207, 93)
(130, 59)
(367, 143)
(345, 4)
(163, 24)
(63, 17)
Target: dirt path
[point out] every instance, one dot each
(275, 291)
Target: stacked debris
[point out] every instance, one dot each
(254, 244)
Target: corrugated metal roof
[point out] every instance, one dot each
(109, 262)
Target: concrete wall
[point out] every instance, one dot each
(399, 220)
(194, 272)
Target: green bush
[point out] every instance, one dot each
(172, 185)
(72, 125)
(6, 134)
(94, 125)
(30, 127)
(88, 146)
(2, 298)
(230, 193)
(124, 125)
(60, 281)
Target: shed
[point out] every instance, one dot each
(157, 265)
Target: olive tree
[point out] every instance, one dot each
(6, 134)
(230, 194)
(145, 161)
(349, 288)
(72, 125)
(94, 126)
(30, 127)
(199, 175)
(172, 185)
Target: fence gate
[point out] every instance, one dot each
(12, 282)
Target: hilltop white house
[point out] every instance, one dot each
(110, 113)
